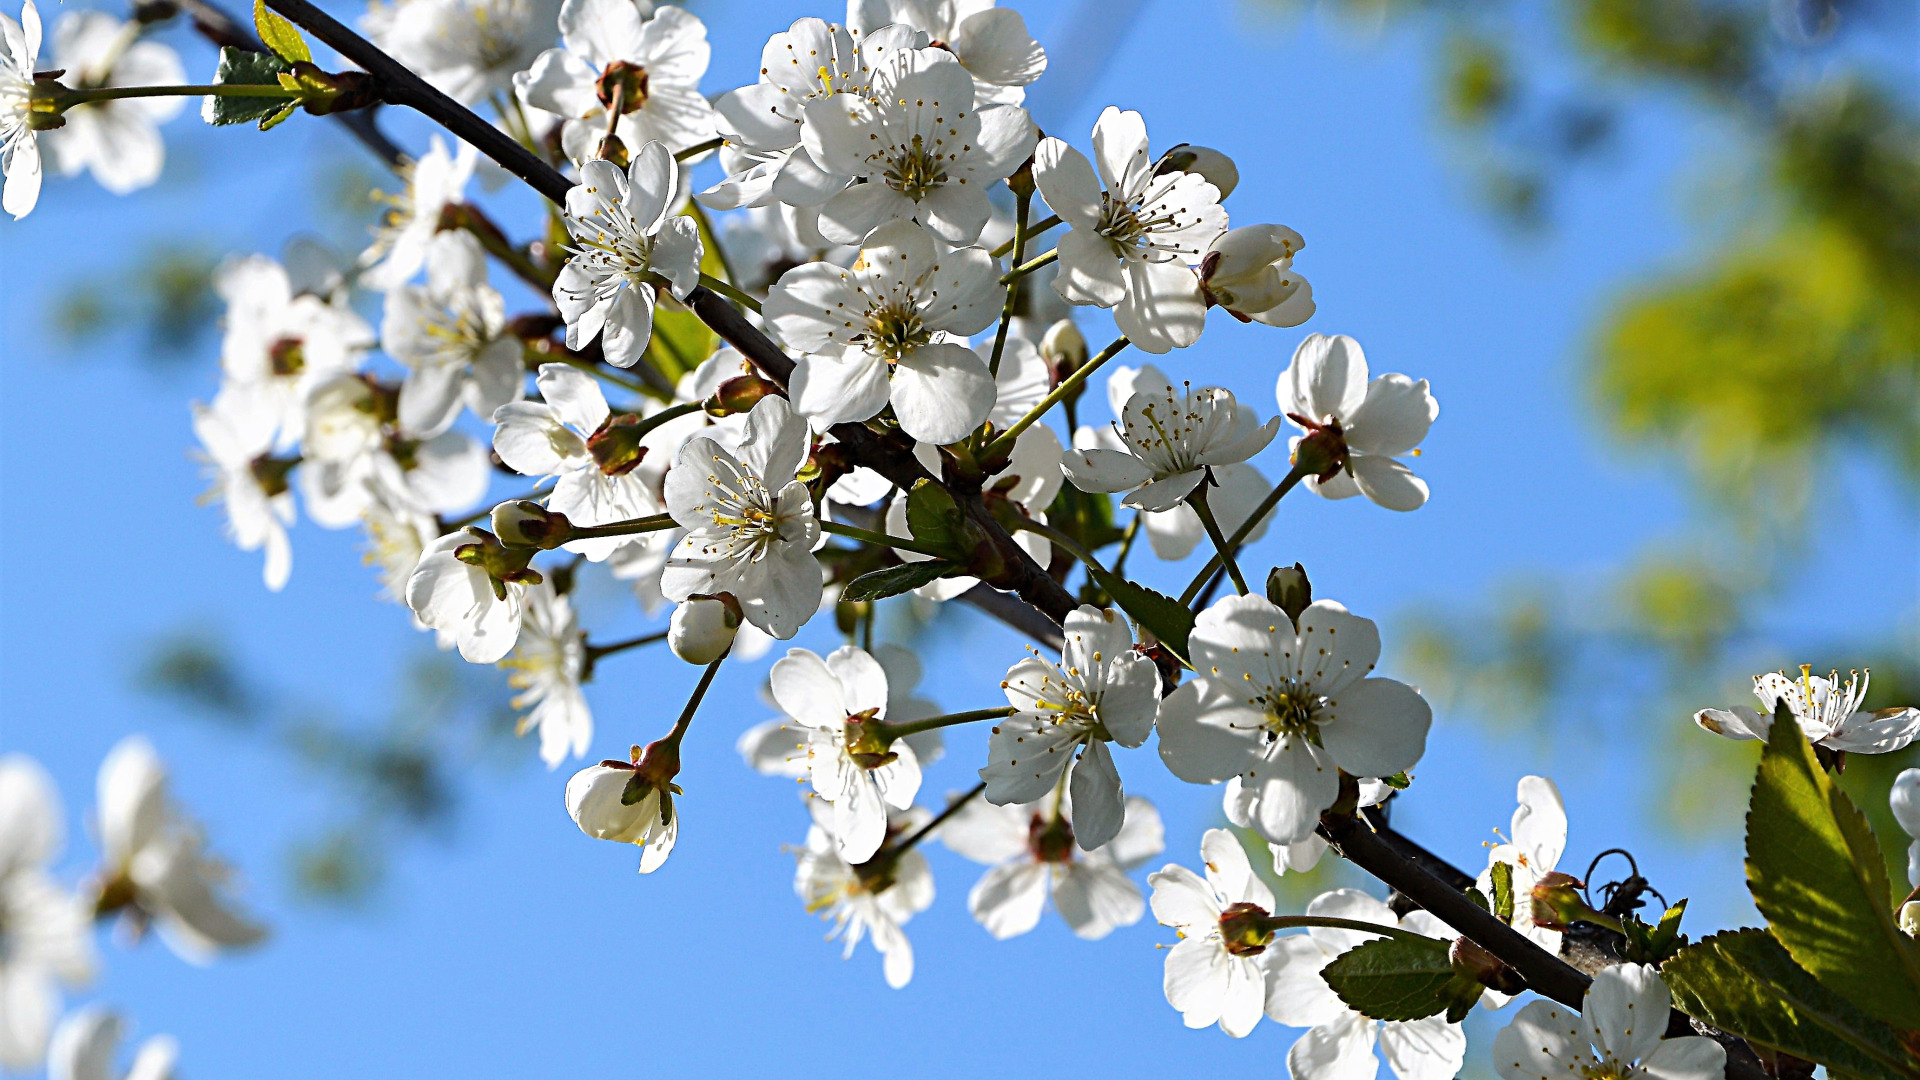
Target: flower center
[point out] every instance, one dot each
(1050, 841)
(915, 170)
(287, 356)
(1244, 930)
(624, 83)
(894, 330)
(746, 516)
(1292, 709)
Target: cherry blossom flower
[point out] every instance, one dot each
(830, 699)
(1279, 713)
(881, 332)
(1379, 421)
(1033, 854)
(434, 182)
(46, 932)
(595, 801)
(1538, 837)
(925, 151)
(546, 666)
(1171, 438)
(397, 532)
(1616, 1034)
(778, 747)
(1303, 855)
(467, 49)
(866, 901)
(451, 335)
(750, 525)
(467, 586)
(236, 439)
(1134, 234)
(19, 147)
(283, 340)
(572, 436)
(991, 43)
(1101, 691)
(117, 141)
(87, 1041)
(1249, 272)
(813, 59)
(1905, 799)
(623, 234)
(354, 441)
(1340, 1042)
(154, 860)
(1827, 710)
(649, 59)
(1218, 971)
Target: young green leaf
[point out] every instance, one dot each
(1401, 979)
(1502, 874)
(1816, 873)
(1167, 618)
(1743, 982)
(279, 35)
(894, 580)
(239, 67)
(932, 515)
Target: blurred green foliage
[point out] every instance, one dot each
(170, 309)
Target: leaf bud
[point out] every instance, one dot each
(702, 628)
(1290, 591)
(524, 523)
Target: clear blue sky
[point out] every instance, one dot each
(517, 947)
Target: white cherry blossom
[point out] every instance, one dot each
(1032, 851)
(750, 525)
(87, 1041)
(46, 932)
(397, 532)
(1280, 713)
(827, 699)
(1380, 421)
(1217, 973)
(859, 903)
(546, 666)
(778, 747)
(1617, 1033)
(571, 436)
(353, 444)
(451, 335)
(117, 141)
(19, 146)
(1171, 437)
(1340, 1043)
(154, 860)
(655, 55)
(1101, 691)
(282, 340)
(1134, 234)
(991, 42)
(1905, 799)
(481, 612)
(925, 152)
(434, 182)
(651, 823)
(882, 332)
(624, 232)
(236, 439)
(1531, 851)
(1827, 709)
(1249, 272)
(467, 49)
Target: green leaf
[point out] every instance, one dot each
(932, 515)
(1816, 873)
(280, 35)
(680, 341)
(1401, 979)
(278, 116)
(1652, 944)
(1167, 618)
(1744, 982)
(241, 67)
(895, 580)
(1502, 874)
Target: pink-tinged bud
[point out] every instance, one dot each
(702, 628)
(524, 523)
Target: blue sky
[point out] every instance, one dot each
(513, 945)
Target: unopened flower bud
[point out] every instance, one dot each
(702, 629)
(613, 150)
(1212, 165)
(524, 523)
(1289, 589)
(739, 394)
(624, 801)
(1557, 904)
(1064, 350)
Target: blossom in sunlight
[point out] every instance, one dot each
(1827, 710)
(1377, 421)
(702, 630)
(546, 666)
(451, 335)
(1905, 799)
(46, 932)
(925, 150)
(236, 440)
(471, 587)
(1339, 1044)
(397, 532)
(991, 42)
(1249, 272)
(354, 442)
(813, 59)
(884, 332)
(598, 803)
(624, 233)
(19, 147)
(830, 699)
(155, 863)
(1134, 234)
(117, 141)
(1171, 437)
(1033, 853)
(778, 747)
(1530, 852)
(434, 182)
(750, 525)
(283, 341)
(1217, 973)
(87, 1041)
(467, 49)
(1616, 1034)
(1101, 691)
(647, 59)
(867, 901)
(572, 436)
(1279, 712)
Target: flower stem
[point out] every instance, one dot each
(699, 148)
(1198, 500)
(1126, 542)
(595, 652)
(654, 523)
(1023, 202)
(743, 299)
(940, 818)
(1029, 267)
(1291, 922)
(890, 731)
(853, 532)
(1240, 534)
(1036, 230)
(116, 93)
(447, 526)
(1004, 442)
(536, 358)
(693, 703)
(1063, 542)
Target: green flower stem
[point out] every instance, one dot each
(655, 523)
(1292, 922)
(1061, 541)
(743, 299)
(535, 358)
(939, 819)
(1028, 267)
(1036, 230)
(595, 652)
(693, 704)
(116, 93)
(1126, 542)
(853, 532)
(699, 148)
(1198, 500)
(1004, 442)
(482, 515)
(891, 731)
(1023, 202)
(1240, 534)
